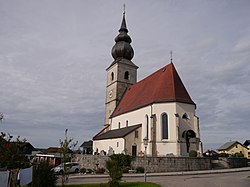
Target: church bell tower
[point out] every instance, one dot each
(122, 72)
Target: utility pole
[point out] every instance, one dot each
(145, 142)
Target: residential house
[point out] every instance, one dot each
(234, 147)
(247, 144)
(87, 147)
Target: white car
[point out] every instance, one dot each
(71, 167)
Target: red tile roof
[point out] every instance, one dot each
(164, 85)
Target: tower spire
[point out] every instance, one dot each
(122, 72)
(123, 25)
(122, 48)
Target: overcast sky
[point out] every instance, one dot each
(53, 56)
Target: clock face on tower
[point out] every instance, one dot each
(110, 94)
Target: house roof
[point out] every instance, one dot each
(25, 147)
(247, 143)
(55, 150)
(117, 133)
(164, 85)
(87, 144)
(227, 145)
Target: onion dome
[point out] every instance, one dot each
(122, 48)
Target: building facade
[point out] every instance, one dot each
(155, 115)
(233, 148)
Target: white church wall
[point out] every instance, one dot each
(138, 117)
(176, 126)
(182, 108)
(170, 110)
(116, 144)
(134, 118)
(183, 149)
(187, 124)
(166, 148)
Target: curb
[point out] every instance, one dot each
(200, 172)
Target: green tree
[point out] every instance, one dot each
(12, 153)
(66, 154)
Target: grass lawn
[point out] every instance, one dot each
(126, 184)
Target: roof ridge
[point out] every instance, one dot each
(173, 77)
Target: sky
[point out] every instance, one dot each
(54, 55)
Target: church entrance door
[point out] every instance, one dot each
(134, 150)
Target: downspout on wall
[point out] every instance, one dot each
(153, 132)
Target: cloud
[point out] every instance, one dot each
(53, 57)
(242, 45)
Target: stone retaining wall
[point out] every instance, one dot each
(91, 161)
(173, 164)
(163, 164)
(233, 162)
(154, 164)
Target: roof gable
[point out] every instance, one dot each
(117, 133)
(230, 144)
(87, 144)
(164, 85)
(227, 145)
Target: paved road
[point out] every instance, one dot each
(234, 179)
(239, 179)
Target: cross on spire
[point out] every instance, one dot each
(171, 56)
(124, 8)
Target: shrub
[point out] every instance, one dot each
(125, 169)
(123, 160)
(83, 170)
(239, 155)
(140, 169)
(192, 153)
(115, 173)
(100, 171)
(223, 155)
(89, 171)
(44, 175)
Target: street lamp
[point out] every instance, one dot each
(145, 143)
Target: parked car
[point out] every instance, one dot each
(71, 167)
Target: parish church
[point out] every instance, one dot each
(155, 115)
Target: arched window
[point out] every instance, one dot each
(119, 125)
(112, 76)
(127, 123)
(126, 75)
(164, 123)
(146, 126)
